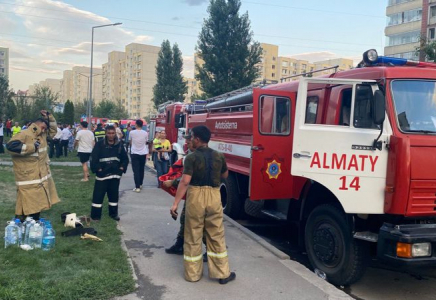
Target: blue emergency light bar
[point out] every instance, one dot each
(371, 58)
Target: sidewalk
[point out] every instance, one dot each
(148, 228)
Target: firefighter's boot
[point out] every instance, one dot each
(177, 248)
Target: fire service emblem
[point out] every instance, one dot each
(273, 169)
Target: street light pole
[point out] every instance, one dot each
(90, 75)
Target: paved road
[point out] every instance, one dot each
(380, 282)
(147, 229)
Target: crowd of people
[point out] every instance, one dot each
(107, 151)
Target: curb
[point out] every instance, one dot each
(258, 239)
(129, 259)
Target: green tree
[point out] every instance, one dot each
(227, 48)
(44, 98)
(10, 109)
(68, 116)
(81, 109)
(120, 111)
(24, 107)
(426, 50)
(5, 96)
(170, 84)
(104, 109)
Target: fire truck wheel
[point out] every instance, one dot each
(254, 208)
(331, 247)
(232, 205)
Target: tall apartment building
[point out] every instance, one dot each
(112, 78)
(4, 61)
(80, 84)
(53, 84)
(139, 78)
(67, 86)
(269, 68)
(407, 22)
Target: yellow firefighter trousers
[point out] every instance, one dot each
(204, 211)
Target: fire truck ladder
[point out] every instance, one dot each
(308, 74)
(239, 98)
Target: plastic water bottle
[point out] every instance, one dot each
(42, 222)
(49, 238)
(35, 236)
(24, 229)
(12, 235)
(29, 226)
(20, 230)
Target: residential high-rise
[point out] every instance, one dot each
(140, 77)
(53, 84)
(112, 76)
(80, 86)
(268, 67)
(67, 86)
(407, 22)
(4, 61)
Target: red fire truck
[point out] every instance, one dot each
(348, 158)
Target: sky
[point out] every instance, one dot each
(46, 37)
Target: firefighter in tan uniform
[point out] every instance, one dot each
(202, 173)
(36, 190)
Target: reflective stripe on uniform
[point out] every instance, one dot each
(113, 203)
(217, 255)
(36, 181)
(108, 177)
(42, 149)
(109, 159)
(97, 205)
(193, 258)
(23, 149)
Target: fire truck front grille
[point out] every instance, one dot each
(422, 198)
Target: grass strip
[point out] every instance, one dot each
(75, 268)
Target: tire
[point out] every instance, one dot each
(254, 208)
(331, 247)
(230, 199)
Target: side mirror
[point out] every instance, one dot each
(179, 121)
(379, 108)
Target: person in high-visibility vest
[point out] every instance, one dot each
(99, 133)
(16, 129)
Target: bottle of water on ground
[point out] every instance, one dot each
(12, 235)
(29, 225)
(49, 238)
(24, 229)
(20, 230)
(35, 236)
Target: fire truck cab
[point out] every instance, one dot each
(349, 159)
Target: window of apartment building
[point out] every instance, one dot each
(294, 65)
(138, 75)
(284, 64)
(138, 82)
(432, 13)
(274, 58)
(395, 2)
(403, 38)
(405, 17)
(284, 71)
(431, 35)
(412, 55)
(303, 66)
(273, 75)
(139, 57)
(294, 72)
(273, 67)
(311, 69)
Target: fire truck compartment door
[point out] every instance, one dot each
(270, 174)
(341, 158)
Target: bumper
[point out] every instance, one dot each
(390, 234)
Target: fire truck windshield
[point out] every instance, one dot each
(415, 105)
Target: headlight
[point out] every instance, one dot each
(421, 249)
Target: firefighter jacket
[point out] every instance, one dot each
(106, 160)
(36, 190)
(99, 134)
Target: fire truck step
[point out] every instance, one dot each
(275, 214)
